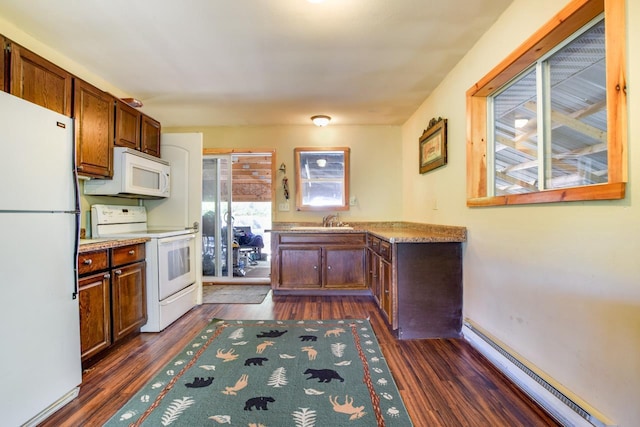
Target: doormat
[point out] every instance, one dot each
(234, 294)
(272, 373)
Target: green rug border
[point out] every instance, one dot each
(216, 326)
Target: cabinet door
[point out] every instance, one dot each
(300, 267)
(37, 80)
(386, 293)
(95, 314)
(129, 301)
(93, 113)
(4, 63)
(127, 126)
(373, 275)
(344, 267)
(150, 136)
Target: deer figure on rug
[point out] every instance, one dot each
(263, 346)
(334, 332)
(347, 407)
(310, 352)
(227, 356)
(240, 384)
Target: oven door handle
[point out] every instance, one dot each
(167, 240)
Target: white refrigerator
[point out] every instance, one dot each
(40, 368)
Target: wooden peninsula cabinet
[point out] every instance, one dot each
(418, 286)
(112, 296)
(318, 262)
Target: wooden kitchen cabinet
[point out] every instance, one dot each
(379, 258)
(94, 297)
(318, 262)
(150, 136)
(112, 296)
(37, 80)
(418, 286)
(4, 63)
(128, 121)
(94, 129)
(128, 290)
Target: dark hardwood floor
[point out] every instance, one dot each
(444, 382)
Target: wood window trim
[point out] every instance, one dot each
(300, 206)
(575, 15)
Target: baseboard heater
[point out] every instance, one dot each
(567, 411)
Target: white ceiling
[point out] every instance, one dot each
(263, 62)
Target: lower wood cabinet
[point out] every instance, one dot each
(318, 261)
(418, 286)
(95, 314)
(112, 296)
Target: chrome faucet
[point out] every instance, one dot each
(330, 220)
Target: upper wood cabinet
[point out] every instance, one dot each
(94, 125)
(150, 136)
(37, 80)
(4, 84)
(128, 121)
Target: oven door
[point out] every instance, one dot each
(176, 264)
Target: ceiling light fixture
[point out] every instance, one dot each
(320, 120)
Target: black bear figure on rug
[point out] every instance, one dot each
(260, 403)
(323, 375)
(256, 361)
(271, 334)
(304, 338)
(200, 382)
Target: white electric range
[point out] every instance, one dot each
(170, 256)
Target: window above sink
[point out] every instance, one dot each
(322, 178)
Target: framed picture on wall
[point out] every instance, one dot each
(433, 145)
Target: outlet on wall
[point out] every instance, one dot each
(283, 207)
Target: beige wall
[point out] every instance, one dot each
(558, 283)
(375, 163)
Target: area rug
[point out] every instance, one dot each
(272, 374)
(234, 294)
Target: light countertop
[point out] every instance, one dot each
(88, 245)
(393, 232)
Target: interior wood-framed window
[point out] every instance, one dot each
(322, 178)
(549, 123)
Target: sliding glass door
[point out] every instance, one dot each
(236, 211)
(216, 216)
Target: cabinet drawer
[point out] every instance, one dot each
(385, 250)
(89, 262)
(127, 254)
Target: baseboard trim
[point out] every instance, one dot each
(561, 407)
(47, 412)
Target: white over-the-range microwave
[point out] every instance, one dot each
(135, 175)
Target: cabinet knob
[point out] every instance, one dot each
(315, 267)
(118, 272)
(328, 267)
(107, 276)
(87, 261)
(386, 292)
(132, 252)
